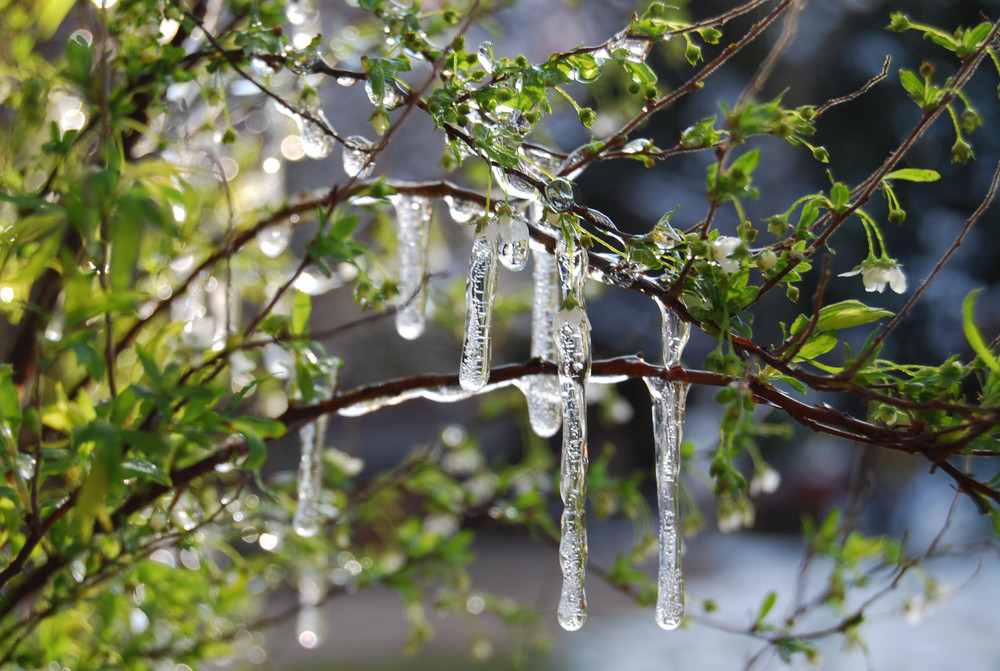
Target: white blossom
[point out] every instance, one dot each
(723, 249)
(876, 273)
(765, 481)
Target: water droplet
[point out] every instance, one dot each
(303, 62)
(636, 145)
(635, 49)
(357, 151)
(559, 194)
(346, 82)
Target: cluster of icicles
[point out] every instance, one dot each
(560, 332)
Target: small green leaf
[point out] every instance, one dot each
(846, 314)
(914, 175)
(143, 468)
(973, 335)
(820, 343)
(301, 308)
(766, 605)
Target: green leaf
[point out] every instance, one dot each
(840, 196)
(914, 175)
(301, 308)
(766, 605)
(10, 405)
(913, 84)
(143, 468)
(845, 314)
(973, 335)
(821, 343)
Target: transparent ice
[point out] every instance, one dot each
(668, 401)
(542, 391)
(413, 214)
(485, 56)
(559, 194)
(390, 99)
(462, 211)
(357, 151)
(572, 337)
(273, 240)
(513, 241)
(480, 290)
(308, 518)
(315, 133)
(513, 184)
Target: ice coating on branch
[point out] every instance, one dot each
(513, 241)
(668, 400)
(310, 596)
(542, 391)
(513, 184)
(572, 262)
(462, 211)
(413, 215)
(357, 151)
(539, 162)
(302, 62)
(480, 290)
(559, 194)
(572, 338)
(635, 49)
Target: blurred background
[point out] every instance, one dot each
(839, 45)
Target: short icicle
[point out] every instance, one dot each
(572, 340)
(413, 214)
(480, 290)
(542, 391)
(668, 400)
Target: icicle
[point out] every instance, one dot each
(485, 56)
(310, 596)
(513, 184)
(357, 151)
(572, 331)
(542, 391)
(414, 216)
(308, 518)
(513, 241)
(668, 400)
(480, 289)
(572, 341)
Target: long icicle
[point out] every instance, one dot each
(542, 391)
(480, 290)
(413, 214)
(668, 400)
(572, 339)
(308, 517)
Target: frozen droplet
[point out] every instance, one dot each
(668, 425)
(542, 391)
(559, 194)
(413, 216)
(572, 341)
(634, 49)
(273, 240)
(513, 241)
(390, 99)
(513, 183)
(480, 290)
(623, 274)
(357, 152)
(346, 82)
(485, 56)
(635, 146)
(315, 133)
(517, 122)
(463, 211)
